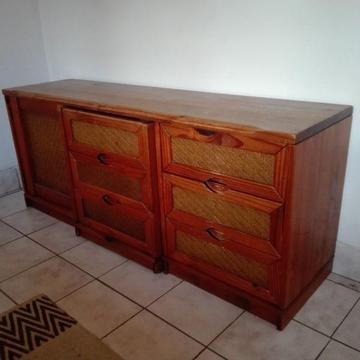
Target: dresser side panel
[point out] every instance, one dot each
(313, 206)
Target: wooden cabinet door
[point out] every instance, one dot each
(40, 143)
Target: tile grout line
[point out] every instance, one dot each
(25, 270)
(221, 332)
(9, 297)
(345, 317)
(73, 291)
(346, 277)
(123, 323)
(175, 327)
(32, 232)
(309, 327)
(166, 292)
(323, 349)
(345, 286)
(346, 345)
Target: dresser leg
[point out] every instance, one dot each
(28, 202)
(158, 266)
(77, 231)
(165, 267)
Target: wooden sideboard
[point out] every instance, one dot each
(238, 195)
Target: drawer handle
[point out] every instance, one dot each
(102, 158)
(216, 234)
(205, 132)
(108, 200)
(215, 186)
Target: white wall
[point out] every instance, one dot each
(22, 60)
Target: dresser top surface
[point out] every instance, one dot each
(292, 120)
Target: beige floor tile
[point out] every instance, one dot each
(58, 237)
(147, 337)
(20, 255)
(138, 283)
(255, 339)
(92, 258)
(29, 220)
(8, 234)
(196, 312)
(98, 308)
(346, 261)
(5, 303)
(208, 355)
(337, 351)
(349, 331)
(11, 204)
(329, 305)
(54, 278)
(351, 284)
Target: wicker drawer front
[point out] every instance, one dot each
(248, 220)
(228, 161)
(243, 163)
(108, 139)
(46, 146)
(216, 209)
(110, 216)
(103, 135)
(239, 266)
(114, 219)
(221, 258)
(127, 182)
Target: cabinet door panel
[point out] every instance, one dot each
(37, 126)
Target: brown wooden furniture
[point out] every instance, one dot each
(238, 195)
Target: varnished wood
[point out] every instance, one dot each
(291, 199)
(313, 205)
(290, 120)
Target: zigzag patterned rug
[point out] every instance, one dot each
(39, 329)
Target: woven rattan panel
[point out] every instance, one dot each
(105, 138)
(222, 258)
(229, 161)
(108, 179)
(213, 208)
(108, 215)
(47, 153)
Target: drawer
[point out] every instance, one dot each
(110, 216)
(252, 221)
(110, 137)
(114, 178)
(240, 162)
(246, 270)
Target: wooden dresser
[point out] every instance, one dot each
(238, 195)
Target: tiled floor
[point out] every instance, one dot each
(146, 316)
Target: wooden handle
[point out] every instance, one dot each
(110, 201)
(215, 186)
(102, 158)
(205, 132)
(216, 234)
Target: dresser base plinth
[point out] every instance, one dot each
(250, 303)
(153, 263)
(49, 208)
